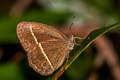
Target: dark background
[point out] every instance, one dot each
(90, 65)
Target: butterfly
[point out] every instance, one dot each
(46, 47)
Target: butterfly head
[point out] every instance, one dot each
(71, 41)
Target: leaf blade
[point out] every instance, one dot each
(83, 46)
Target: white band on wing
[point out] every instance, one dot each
(41, 48)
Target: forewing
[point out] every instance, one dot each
(44, 32)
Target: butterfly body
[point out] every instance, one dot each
(46, 47)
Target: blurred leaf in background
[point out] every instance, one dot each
(11, 71)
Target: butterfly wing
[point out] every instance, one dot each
(46, 47)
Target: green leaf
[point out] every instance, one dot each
(83, 45)
(11, 71)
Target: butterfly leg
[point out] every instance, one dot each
(80, 39)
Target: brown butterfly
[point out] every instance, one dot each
(46, 47)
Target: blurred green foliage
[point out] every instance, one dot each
(80, 69)
(11, 71)
(8, 24)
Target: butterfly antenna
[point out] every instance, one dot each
(71, 23)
